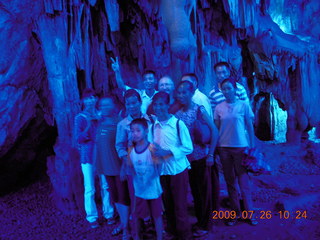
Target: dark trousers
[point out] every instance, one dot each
(200, 184)
(215, 187)
(233, 170)
(175, 190)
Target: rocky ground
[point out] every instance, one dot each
(294, 186)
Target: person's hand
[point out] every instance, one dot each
(159, 152)
(127, 161)
(210, 160)
(123, 169)
(115, 64)
(123, 175)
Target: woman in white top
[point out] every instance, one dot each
(171, 143)
(233, 118)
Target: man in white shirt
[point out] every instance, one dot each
(198, 97)
(222, 71)
(149, 84)
(166, 84)
(171, 143)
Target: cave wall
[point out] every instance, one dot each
(55, 48)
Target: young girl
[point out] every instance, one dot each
(85, 133)
(146, 179)
(232, 118)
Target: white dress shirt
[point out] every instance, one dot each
(201, 99)
(165, 134)
(146, 100)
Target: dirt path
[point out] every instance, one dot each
(30, 213)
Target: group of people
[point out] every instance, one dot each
(147, 160)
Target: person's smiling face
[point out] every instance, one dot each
(166, 85)
(133, 105)
(161, 108)
(149, 81)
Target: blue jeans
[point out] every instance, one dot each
(231, 158)
(89, 192)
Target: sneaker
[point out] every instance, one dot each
(126, 235)
(253, 222)
(110, 221)
(199, 233)
(231, 222)
(94, 224)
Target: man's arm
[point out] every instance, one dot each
(116, 68)
(121, 140)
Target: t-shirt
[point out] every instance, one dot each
(146, 176)
(216, 96)
(202, 100)
(232, 123)
(107, 160)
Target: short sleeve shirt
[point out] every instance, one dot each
(216, 96)
(232, 117)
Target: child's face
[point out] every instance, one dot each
(138, 133)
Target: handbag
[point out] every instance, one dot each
(254, 162)
(201, 130)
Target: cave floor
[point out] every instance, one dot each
(31, 214)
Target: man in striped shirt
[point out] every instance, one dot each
(222, 71)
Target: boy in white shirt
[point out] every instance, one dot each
(146, 178)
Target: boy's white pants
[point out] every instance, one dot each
(89, 191)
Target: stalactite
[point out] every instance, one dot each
(112, 10)
(182, 41)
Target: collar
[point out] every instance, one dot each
(129, 118)
(171, 121)
(144, 94)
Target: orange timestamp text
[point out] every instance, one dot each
(262, 214)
